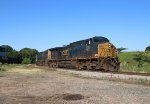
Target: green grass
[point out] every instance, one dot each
(5, 67)
(128, 64)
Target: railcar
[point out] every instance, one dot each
(95, 53)
(2, 53)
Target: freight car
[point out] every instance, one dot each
(2, 53)
(95, 53)
(5, 59)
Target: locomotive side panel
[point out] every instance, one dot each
(86, 48)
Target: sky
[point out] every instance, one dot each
(44, 24)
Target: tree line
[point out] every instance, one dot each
(24, 56)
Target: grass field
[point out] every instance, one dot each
(128, 64)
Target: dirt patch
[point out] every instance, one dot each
(73, 97)
(57, 98)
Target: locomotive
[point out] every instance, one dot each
(96, 53)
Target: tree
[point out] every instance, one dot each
(121, 49)
(13, 57)
(26, 61)
(13, 53)
(28, 53)
(147, 48)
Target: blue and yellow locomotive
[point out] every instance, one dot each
(95, 53)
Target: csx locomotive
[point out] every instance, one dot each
(95, 53)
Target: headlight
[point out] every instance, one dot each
(96, 55)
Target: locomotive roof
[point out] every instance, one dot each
(96, 37)
(57, 48)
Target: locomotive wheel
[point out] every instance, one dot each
(110, 66)
(88, 65)
(52, 64)
(93, 67)
(81, 65)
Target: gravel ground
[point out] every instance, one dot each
(36, 86)
(105, 75)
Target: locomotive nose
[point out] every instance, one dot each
(107, 50)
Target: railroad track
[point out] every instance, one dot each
(119, 72)
(125, 73)
(127, 77)
(132, 73)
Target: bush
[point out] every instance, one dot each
(140, 58)
(26, 61)
(147, 48)
(135, 61)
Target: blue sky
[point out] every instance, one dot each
(43, 24)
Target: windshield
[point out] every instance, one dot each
(100, 40)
